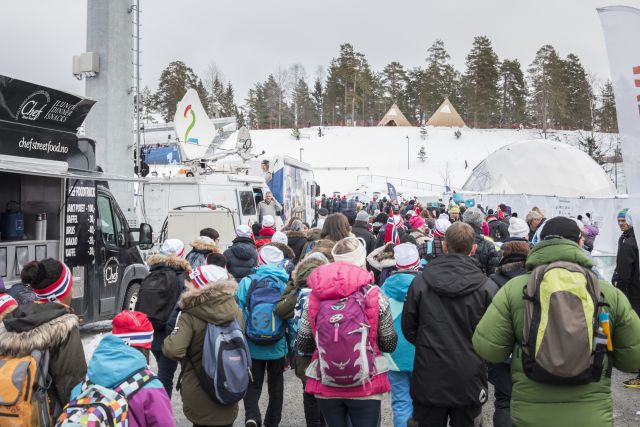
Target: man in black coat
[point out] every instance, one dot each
(626, 277)
(360, 229)
(441, 311)
(242, 256)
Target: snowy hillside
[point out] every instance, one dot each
(344, 153)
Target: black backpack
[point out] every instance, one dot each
(158, 296)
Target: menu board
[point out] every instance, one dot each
(80, 223)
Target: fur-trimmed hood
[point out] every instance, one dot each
(215, 303)
(314, 234)
(286, 250)
(36, 326)
(380, 258)
(292, 234)
(200, 246)
(304, 269)
(174, 262)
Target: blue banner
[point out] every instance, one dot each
(392, 191)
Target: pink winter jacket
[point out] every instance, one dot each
(338, 280)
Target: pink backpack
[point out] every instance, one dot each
(345, 355)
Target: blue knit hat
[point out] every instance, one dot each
(622, 213)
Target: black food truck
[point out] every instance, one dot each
(56, 203)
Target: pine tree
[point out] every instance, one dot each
(227, 102)
(513, 94)
(422, 154)
(481, 83)
(579, 95)
(439, 80)
(174, 82)
(548, 101)
(606, 118)
(304, 104)
(394, 79)
(317, 96)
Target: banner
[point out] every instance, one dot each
(621, 27)
(391, 190)
(28, 103)
(603, 212)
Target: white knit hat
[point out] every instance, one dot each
(442, 224)
(172, 247)
(280, 237)
(406, 256)
(268, 221)
(207, 274)
(270, 255)
(356, 257)
(244, 231)
(518, 228)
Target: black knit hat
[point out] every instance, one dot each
(560, 227)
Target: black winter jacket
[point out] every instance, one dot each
(627, 274)
(510, 267)
(442, 309)
(242, 257)
(362, 232)
(297, 242)
(180, 266)
(486, 254)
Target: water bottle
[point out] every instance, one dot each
(41, 227)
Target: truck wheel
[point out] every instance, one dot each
(131, 298)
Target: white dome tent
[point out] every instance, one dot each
(540, 167)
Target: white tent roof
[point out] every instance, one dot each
(540, 167)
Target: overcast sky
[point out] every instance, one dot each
(248, 39)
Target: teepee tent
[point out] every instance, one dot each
(394, 117)
(446, 115)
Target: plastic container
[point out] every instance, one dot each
(12, 222)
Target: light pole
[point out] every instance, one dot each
(301, 150)
(408, 153)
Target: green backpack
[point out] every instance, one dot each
(561, 344)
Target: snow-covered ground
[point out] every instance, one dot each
(344, 153)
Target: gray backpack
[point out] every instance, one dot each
(226, 363)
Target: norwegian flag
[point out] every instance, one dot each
(391, 232)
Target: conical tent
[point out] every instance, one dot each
(394, 117)
(446, 115)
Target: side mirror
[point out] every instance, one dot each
(145, 241)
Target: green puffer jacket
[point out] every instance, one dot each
(499, 334)
(215, 304)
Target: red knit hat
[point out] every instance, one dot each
(134, 328)
(6, 302)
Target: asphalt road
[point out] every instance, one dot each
(626, 401)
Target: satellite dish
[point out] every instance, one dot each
(244, 146)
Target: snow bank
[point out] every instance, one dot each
(343, 153)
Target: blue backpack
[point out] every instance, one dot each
(263, 325)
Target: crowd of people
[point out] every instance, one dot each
(427, 304)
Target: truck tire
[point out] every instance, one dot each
(131, 297)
